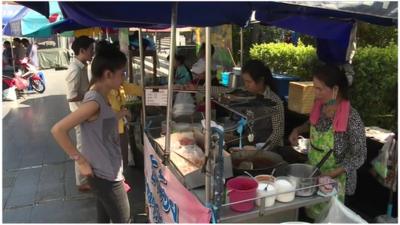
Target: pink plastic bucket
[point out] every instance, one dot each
(239, 189)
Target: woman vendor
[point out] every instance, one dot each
(334, 124)
(257, 79)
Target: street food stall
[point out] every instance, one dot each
(192, 164)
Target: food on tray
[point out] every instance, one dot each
(329, 184)
(188, 154)
(186, 141)
(192, 153)
(184, 166)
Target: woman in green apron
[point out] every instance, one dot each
(334, 124)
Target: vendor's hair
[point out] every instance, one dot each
(259, 71)
(203, 48)
(81, 42)
(107, 58)
(7, 43)
(332, 75)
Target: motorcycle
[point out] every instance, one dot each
(31, 78)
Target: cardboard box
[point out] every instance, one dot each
(301, 97)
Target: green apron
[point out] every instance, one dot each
(321, 143)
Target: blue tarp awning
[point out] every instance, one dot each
(132, 14)
(330, 22)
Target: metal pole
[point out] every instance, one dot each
(142, 74)
(241, 47)
(208, 115)
(171, 78)
(12, 55)
(107, 37)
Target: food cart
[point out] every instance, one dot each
(168, 197)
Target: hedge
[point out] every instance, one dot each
(374, 90)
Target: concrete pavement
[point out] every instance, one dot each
(38, 177)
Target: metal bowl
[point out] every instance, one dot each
(300, 173)
(263, 162)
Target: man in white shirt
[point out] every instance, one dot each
(77, 85)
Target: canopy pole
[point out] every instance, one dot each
(241, 47)
(142, 75)
(207, 139)
(107, 36)
(12, 55)
(171, 78)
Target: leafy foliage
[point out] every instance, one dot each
(374, 92)
(286, 58)
(374, 35)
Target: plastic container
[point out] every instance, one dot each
(282, 84)
(225, 78)
(261, 192)
(239, 189)
(284, 184)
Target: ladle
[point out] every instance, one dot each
(319, 165)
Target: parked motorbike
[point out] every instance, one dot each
(30, 77)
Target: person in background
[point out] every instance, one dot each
(7, 55)
(31, 52)
(19, 52)
(199, 68)
(257, 79)
(100, 159)
(182, 72)
(77, 84)
(334, 125)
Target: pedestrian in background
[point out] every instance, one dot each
(31, 52)
(101, 158)
(77, 85)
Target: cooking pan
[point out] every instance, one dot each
(256, 162)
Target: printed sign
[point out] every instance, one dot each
(156, 97)
(168, 200)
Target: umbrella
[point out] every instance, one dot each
(9, 11)
(28, 21)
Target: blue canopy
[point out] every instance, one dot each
(132, 14)
(330, 22)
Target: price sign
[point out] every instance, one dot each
(156, 97)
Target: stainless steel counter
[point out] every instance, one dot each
(279, 212)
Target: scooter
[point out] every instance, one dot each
(32, 77)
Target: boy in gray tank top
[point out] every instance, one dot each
(100, 159)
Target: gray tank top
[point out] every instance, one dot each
(100, 140)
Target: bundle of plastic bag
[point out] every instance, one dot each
(9, 94)
(183, 105)
(337, 212)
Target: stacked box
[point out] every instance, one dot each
(301, 97)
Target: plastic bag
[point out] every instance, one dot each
(10, 94)
(337, 212)
(380, 163)
(183, 105)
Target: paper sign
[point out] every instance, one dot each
(156, 97)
